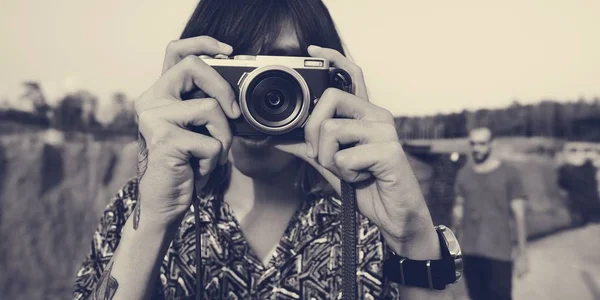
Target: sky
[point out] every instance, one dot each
(418, 57)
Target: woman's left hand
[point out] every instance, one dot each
(386, 189)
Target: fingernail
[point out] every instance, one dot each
(309, 150)
(225, 47)
(235, 109)
(314, 47)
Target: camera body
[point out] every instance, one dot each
(276, 94)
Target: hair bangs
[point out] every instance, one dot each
(252, 27)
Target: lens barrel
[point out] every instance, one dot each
(274, 99)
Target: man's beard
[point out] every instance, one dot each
(480, 158)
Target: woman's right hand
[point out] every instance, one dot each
(166, 176)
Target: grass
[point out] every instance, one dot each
(50, 202)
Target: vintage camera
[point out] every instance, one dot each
(277, 94)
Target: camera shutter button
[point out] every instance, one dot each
(244, 57)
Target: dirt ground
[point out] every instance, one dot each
(563, 266)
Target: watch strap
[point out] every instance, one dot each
(431, 274)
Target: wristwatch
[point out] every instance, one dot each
(431, 274)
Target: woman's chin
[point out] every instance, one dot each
(258, 162)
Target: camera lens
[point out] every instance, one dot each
(274, 98)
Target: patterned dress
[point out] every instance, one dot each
(306, 263)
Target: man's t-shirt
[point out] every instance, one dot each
(488, 223)
(306, 263)
(581, 186)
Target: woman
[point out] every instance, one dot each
(271, 230)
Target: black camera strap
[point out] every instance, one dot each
(342, 80)
(199, 269)
(349, 236)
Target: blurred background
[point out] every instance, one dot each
(70, 70)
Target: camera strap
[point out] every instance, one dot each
(342, 80)
(199, 270)
(349, 236)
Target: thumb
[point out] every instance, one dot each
(298, 149)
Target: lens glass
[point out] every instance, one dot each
(274, 98)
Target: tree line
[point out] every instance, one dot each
(574, 120)
(77, 112)
(74, 112)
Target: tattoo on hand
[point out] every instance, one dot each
(141, 170)
(106, 286)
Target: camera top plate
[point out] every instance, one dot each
(257, 61)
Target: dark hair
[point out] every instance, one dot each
(251, 27)
(488, 129)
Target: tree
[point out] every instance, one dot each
(77, 112)
(124, 120)
(33, 93)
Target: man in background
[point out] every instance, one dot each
(489, 214)
(578, 177)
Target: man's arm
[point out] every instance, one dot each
(518, 207)
(458, 207)
(457, 213)
(518, 204)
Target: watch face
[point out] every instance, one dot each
(453, 248)
(458, 264)
(451, 240)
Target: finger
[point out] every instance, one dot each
(178, 49)
(340, 61)
(193, 72)
(337, 103)
(338, 132)
(355, 162)
(194, 112)
(205, 148)
(180, 146)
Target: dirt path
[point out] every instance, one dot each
(563, 266)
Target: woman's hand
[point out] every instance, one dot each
(167, 147)
(386, 189)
